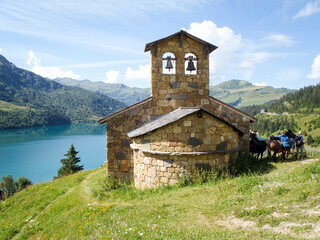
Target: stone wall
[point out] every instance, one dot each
(234, 117)
(154, 170)
(119, 153)
(177, 149)
(171, 91)
(191, 134)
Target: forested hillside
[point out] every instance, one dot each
(306, 100)
(297, 111)
(28, 100)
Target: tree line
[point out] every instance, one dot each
(306, 101)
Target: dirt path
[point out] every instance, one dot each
(86, 194)
(312, 228)
(85, 188)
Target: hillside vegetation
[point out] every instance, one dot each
(240, 93)
(273, 201)
(297, 111)
(128, 95)
(28, 100)
(237, 93)
(305, 101)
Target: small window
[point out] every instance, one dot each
(190, 64)
(168, 63)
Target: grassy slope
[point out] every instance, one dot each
(249, 93)
(6, 106)
(282, 203)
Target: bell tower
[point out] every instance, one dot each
(179, 72)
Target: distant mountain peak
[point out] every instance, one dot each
(234, 84)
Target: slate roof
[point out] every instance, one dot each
(105, 119)
(210, 46)
(171, 117)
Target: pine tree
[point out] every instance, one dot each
(69, 164)
(309, 140)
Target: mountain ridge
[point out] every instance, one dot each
(128, 95)
(237, 93)
(28, 100)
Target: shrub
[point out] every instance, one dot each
(23, 182)
(8, 185)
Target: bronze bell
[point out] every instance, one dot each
(169, 64)
(190, 64)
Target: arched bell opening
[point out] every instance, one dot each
(190, 64)
(168, 63)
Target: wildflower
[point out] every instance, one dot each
(140, 233)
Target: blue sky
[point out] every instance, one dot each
(274, 42)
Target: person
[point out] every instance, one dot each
(299, 144)
(254, 134)
(287, 143)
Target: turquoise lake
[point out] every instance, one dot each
(36, 152)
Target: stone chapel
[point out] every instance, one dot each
(180, 128)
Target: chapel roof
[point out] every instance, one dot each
(210, 47)
(252, 119)
(105, 119)
(171, 117)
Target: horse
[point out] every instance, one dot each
(257, 146)
(276, 145)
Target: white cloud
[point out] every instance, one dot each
(278, 40)
(229, 43)
(260, 84)
(113, 77)
(234, 53)
(315, 70)
(143, 74)
(48, 71)
(140, 77)
(1, 50)
(310, 9)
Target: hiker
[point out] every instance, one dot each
(286, 142)
(300, 141)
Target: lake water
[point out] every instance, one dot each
(36, 152)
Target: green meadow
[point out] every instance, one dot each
(268, 200)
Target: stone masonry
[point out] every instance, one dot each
(180, 148)
(136, 159)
